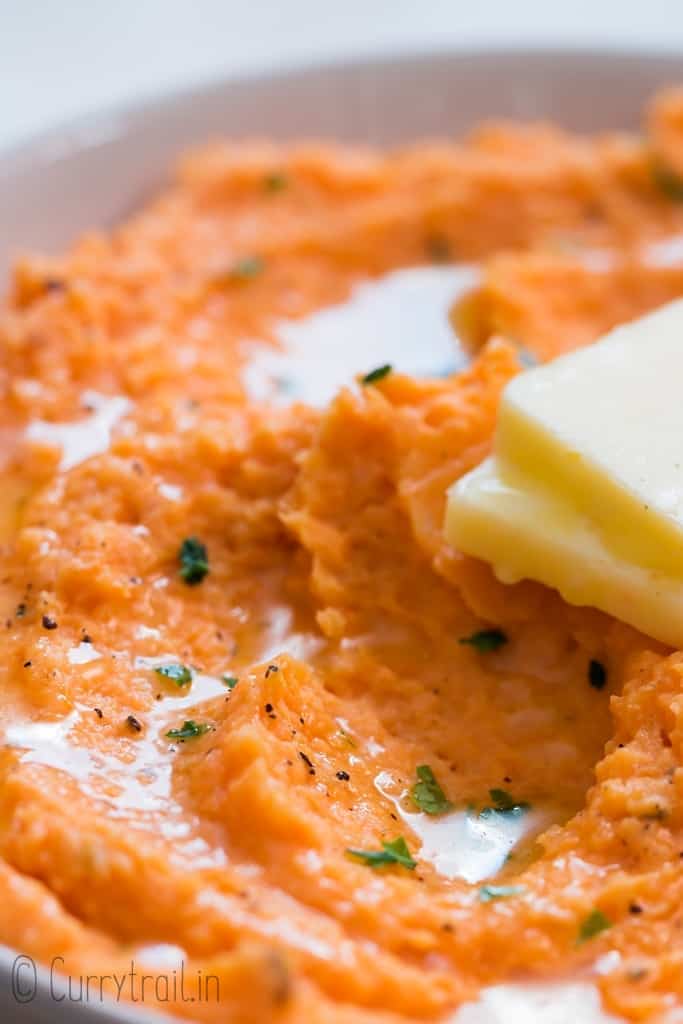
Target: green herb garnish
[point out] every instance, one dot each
(276, 181)
(427, 794)
(503, 802)
(178, 674)
(194, 561)
(485, 640)
(246, 268)
(597, 674)
(378, 374)
(190, 730)
(230, 681)
(488, 893)
(395, 852)
(592, 925)
(438, 249)
(670, 183)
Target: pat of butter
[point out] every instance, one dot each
(585, 488)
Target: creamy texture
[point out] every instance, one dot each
(325, 645)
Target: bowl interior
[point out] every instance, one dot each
(92, 173)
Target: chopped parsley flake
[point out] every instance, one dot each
(502, 801)
(485, 640)
(246, 268)
(190, 730)
(378, 374)
(488, 893)
(230, 681)
(178, 674)
(194, 561)
(597, 674)
(593, 925)
(276, 181)
(395, 852)
(427, 794)
(670, 183)
(438, 249)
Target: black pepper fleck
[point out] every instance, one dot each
(54, 284)
(99, 712)
(307, 761)
(49, 622)
(270, 670)
(343, 776)
(597, 674)
(132, 723)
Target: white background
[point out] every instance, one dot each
(63, 57)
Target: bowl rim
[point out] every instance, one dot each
(128, 112)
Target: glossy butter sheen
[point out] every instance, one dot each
(602, 428)
(526, 533)
(585, 489)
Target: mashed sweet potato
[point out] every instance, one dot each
(284, 567)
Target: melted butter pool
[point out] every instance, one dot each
(553, 1003)
(401, 318)
(137, 783)
(463, 843)
(82, 439)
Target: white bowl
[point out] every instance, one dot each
(93, 172)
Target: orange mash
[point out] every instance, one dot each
(258, 719)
